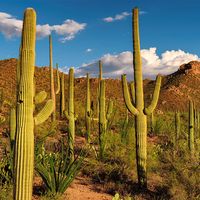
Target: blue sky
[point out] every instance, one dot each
(166, 27)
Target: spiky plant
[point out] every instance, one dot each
(191, 127)
(138, 109)
(88, 112)
(62, 95)
(53, 95)
(24, 139)
(70, 115)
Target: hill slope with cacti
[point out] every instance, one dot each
(177, 88)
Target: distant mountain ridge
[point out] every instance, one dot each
(176, 90)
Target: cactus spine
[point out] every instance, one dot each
(139, 110)
(62, 95)
(24, 149)
(70, 114)
(53, 96)
(88, 111)
(191, 127)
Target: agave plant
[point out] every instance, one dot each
(56, 169)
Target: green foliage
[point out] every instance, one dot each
(56, 169)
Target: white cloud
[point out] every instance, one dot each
(116, 65)
(117, 17)
(88, 50)
(11, 27)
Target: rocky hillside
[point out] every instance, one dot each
(176, 89)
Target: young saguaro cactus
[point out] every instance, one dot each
(138, 109)
(62, 95)
(177, 126)
(53, 95)
(70, 114)
(103, 118)
(191, 127)
(24, 139)
(88, 112)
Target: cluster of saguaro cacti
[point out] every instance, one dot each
(70, 115)
(104, 118)
(138, 109)
(25, 120)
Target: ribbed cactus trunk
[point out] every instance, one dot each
(177, 127)
(102, 119)
(70, 114)
(24, 149)
(58, 79)
(88, 111)
(191, 127)
(53, 96)
(62, 95)
(138, 109)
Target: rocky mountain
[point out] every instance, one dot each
(176, 89)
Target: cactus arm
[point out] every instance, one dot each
(44, 113)
(58, 79)
(40, 97)
(12, 125)
(132, 91)
(156, 93)
(191, 127)
(62, 95)
(127, 98)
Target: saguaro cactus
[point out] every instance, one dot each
(70, 114)
(103, 118)
(88, 111)
(12, 126)
(58, 79)
(177, 126)
(191, 127)
(24, 139)
(62, 95)
(138, 109)
(24, 149)
(53, 95)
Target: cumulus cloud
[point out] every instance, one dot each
(117, 17)
(115, 65)
(120, 16)
(11, 27)
(88, 50)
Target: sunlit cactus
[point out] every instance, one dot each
(88, 112)
(70, 114)
(53, 95)
(62, 95)
(138, 109)
(25, 120)
(191, 127)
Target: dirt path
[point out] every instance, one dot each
(82, 189)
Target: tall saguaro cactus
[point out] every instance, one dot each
(53, 95)
(191, 127)
(70, 114)
(88, 111)
(138, 109)
(24, 149)
(25, 121)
